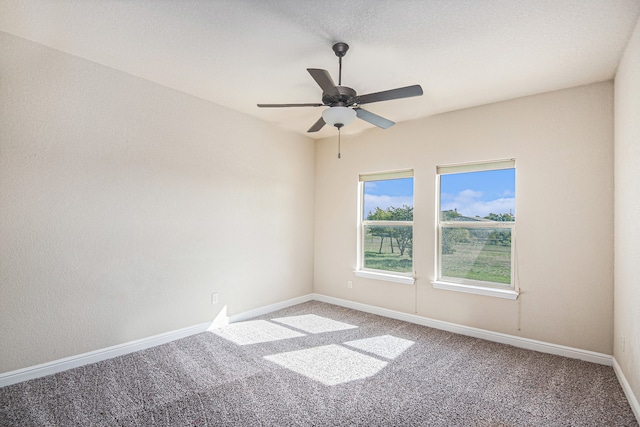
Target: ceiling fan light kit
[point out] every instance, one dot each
(339, 116)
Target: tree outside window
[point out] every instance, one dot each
(387, 223)
(476, 224)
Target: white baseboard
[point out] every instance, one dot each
(626, 387)
(60, 365)
(526, 343)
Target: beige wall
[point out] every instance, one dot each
(563, 146)
(627, 212)
(124, 204)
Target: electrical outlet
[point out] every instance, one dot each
(214, 298)
(349, 284)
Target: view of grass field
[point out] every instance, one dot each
(477, 213)
(489, 263)
(385, 260)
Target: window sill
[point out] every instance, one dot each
(407, 280)
(478, 290)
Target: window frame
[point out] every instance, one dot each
(495, 289)
(371, 273)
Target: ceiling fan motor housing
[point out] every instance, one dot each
(347, 97)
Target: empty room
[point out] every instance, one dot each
(319, 213)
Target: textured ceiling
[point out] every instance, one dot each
(238, 53)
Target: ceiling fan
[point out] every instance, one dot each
(344, 102)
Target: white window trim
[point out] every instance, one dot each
(388, 277)
(476, 167)
(476, 287)
(385, 275)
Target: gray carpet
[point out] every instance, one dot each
(316, 364)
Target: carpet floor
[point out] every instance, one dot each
(317, 364)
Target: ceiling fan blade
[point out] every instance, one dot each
(374, 119)
(387, 95)
(317, 125)
(324, 80)
(289, 105)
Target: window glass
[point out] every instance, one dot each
(482, 254)
(388, 248)
(387, 224)
(386, 193)
(476, 226)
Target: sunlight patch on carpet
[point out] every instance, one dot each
(255, 331)
(386, 346)
(313, 323)
(329, 364)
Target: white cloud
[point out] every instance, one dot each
(468, 203)
(383, 202)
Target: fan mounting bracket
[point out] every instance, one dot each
(340, 49)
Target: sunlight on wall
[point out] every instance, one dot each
(220, 320)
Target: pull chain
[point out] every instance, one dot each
(338, 142)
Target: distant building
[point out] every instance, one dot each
(453, 215)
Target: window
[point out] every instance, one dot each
(476, 228)
(386, 226)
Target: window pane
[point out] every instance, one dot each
(478, 196)
(477, 254)
(389, 248)
(380, 196)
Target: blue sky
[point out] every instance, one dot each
(471, 193)
(479, 193)
(390, 192)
